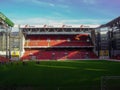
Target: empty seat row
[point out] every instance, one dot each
(56, 54)
(3, 59)
(59, 40)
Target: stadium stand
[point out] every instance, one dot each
(3, 59)
(57, 41)
(58, 47)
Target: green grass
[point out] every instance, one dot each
(49, 75)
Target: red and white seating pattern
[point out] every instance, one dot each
(58, 54)
(57, 41)
(52, 41)
(3, 59)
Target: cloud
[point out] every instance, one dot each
(48, 3)
(42, 3)
(37, 2)
(59, 4)
(34, 21)
(90, 1)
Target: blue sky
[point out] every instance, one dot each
(60, 11)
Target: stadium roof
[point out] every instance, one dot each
(113, 22)
(59, 26)
(6, 20)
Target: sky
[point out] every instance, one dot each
(60, 11)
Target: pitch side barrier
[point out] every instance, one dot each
(62, 60)
(66, 59)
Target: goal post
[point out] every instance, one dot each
(110, 83)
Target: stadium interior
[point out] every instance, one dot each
(65, 42)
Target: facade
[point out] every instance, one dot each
(102, 42)
(108, 39)
(5, 29)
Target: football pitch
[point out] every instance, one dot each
(57, 75)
